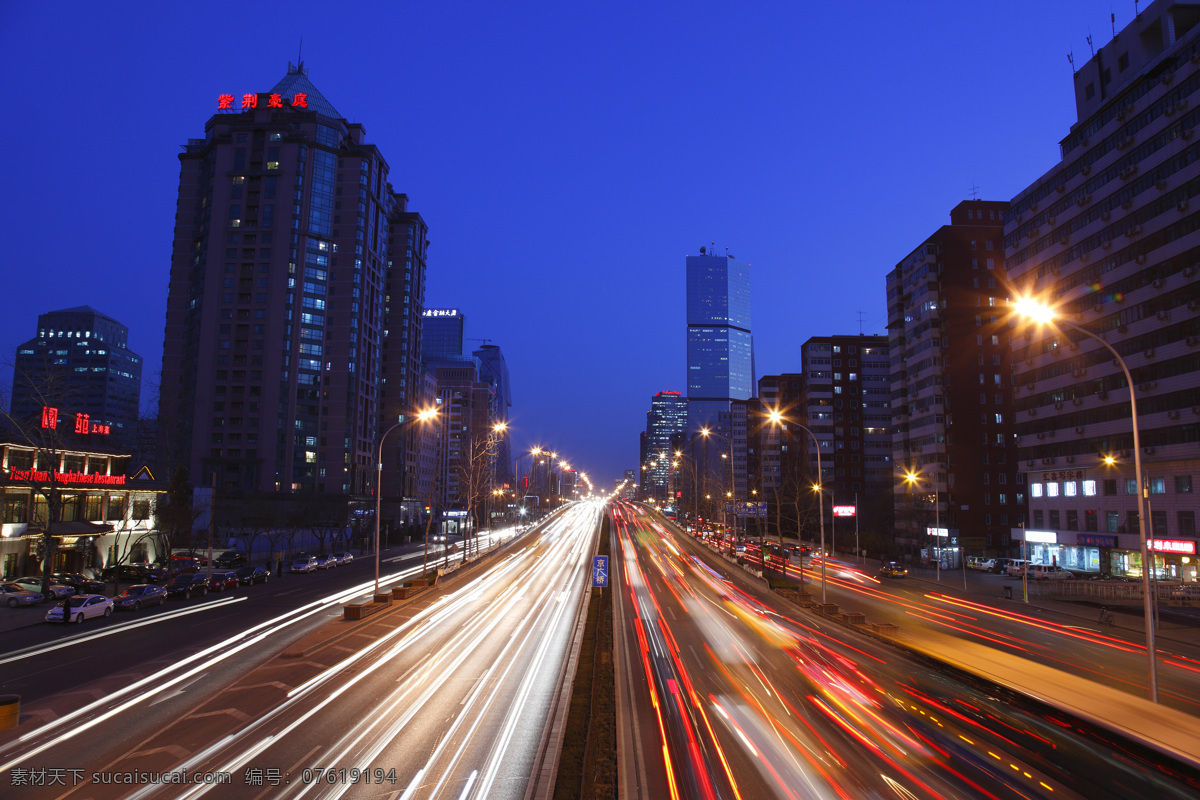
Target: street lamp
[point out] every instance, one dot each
(776, 418)
(421, 416)
(1042, 314)
(912, 478)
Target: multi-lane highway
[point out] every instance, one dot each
(447, 696)
(723, 695)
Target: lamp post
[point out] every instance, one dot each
(422, 416)
(1042, 314)
(777, 419)
(705, 432)
(912, 479)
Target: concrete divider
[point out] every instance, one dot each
(10, 711)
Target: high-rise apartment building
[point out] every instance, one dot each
(275, 309)
(846, 400)
(493, 370)
(80, 360)
(401, 390)
(666, 422)
(720, 349)
(951, 389)
(1108, 237)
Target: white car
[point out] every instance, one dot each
(344, 557)
(35, 585)
(83, 607)
(1049, 572)
(1016, 567)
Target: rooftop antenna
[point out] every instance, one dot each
(860, 322)
(1090, 47)
(974, 191)
(1071, 58)
(1113, 18)
(300, 54)
(1136, 13)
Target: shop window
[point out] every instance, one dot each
(92, 507)
(1183, 484)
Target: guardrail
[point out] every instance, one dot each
(1116, 592)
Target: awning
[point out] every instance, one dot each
(76, 527)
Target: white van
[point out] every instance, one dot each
(1016, 568)
(1049, 572)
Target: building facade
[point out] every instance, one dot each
(80, 359)
(275, 309)
(951, 390)
(1109, 239)
(57, 473)
(442, 334)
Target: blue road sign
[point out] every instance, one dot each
(600, 571)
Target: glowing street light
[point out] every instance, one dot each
(1044, 315)
(422, 416)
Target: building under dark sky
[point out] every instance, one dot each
(275, 309)
(79, 361)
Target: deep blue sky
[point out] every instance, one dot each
(566, 156)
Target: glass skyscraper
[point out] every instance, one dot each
(720, 349)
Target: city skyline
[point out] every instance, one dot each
(800, 160)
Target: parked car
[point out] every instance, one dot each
(138, 595)
(893, 569)
(82, 584)
(225, 579)
(988, 564)
(230, 559)
(186, 584)
(977, 562)
(249, 575)
(326, 562)
(303, 564)
(135, 573)
(83, 607)
(344, 557)
(58, 590)
(1048, 572)
(14, 594)
(1016, 567)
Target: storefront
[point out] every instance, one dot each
(1074, 552)
(1174, 561)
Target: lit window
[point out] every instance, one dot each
(1052, 489)
(1069, 488)
(1089, 488)
(1035, 490)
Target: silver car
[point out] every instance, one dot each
(13, 595)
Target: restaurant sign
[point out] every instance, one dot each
(66, 478)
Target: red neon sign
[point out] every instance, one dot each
(39, 476)
(1173, 546)
(81, 423)
(844, 511)
(49, 417)
(250, 100)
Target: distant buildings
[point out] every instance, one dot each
(951, 389)
(666, 422)
(1110, 238)
(80, 360)
(720, 348)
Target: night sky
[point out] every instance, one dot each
(566, 156)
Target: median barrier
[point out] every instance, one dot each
(365, 608)
(854, 618)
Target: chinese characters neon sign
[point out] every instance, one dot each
(225, 102)
(1173, 546)
(83, 423)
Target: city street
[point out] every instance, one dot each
(469, 672)
(731, 695)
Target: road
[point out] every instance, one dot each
(447, 696)
(1111, 656)
(730, 697)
